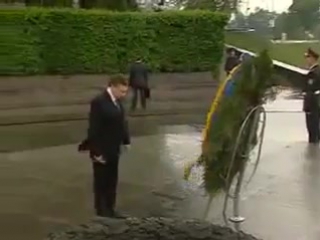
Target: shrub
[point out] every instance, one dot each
(42, 41)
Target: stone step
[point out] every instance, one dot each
(40, 91)
(45, 99)
(80, 112)
(56, 98)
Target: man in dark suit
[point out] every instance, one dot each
(232, 61)
(138, 81)
(311, 94)
(108, 131)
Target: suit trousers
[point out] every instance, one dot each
(141, 92)
(105, 186)
(313, 122)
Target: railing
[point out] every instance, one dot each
(294, 75)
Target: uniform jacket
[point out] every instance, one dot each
(312, 85)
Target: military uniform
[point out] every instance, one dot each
(311, 104)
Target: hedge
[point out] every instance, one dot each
(68, 41)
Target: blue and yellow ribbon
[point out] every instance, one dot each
(225, 89)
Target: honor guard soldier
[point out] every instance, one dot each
(311, 94)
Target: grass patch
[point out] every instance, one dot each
(288, 53)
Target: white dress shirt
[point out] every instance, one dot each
(113, 98)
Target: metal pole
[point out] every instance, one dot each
(237, 219)
(251, 121)
(252, 126)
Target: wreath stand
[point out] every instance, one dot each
(252, 130)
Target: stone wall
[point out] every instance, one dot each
(148, 229)
(47, 98)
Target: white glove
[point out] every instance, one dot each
(99, 160)
(317, 92)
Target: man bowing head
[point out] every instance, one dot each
(108, 131)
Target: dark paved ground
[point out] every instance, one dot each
(43, 189)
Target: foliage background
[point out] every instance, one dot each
(40, 41)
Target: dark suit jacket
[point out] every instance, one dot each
(108, 127)
(312, 84)
(231, 62)
(139, 76)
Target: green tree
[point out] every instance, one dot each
(261, 21)
(284, 24)
(109, 4)
(119, 5)
(49, 3)
(307, 11)
(214, 5)
(303, 16)
(239, 21)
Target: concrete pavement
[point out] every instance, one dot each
(41, 190)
